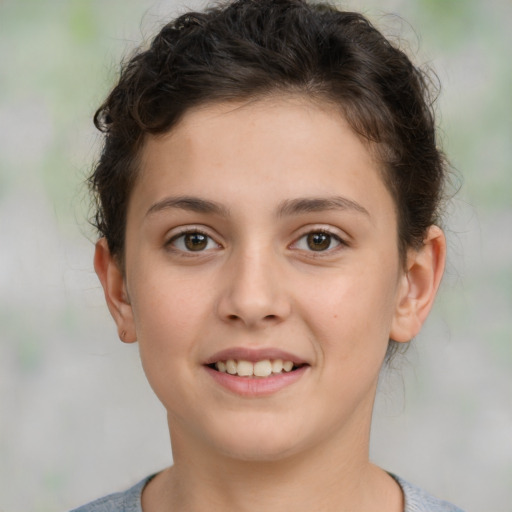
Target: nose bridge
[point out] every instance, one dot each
(254, 290)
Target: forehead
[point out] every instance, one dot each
(296, 146)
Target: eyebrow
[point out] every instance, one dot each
(313, 204)
(189, 203)
(286, 208)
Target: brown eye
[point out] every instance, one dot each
(319, 241)
(193, 241)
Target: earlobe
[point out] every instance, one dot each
(419, 285)
(114, 287)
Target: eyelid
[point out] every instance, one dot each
(178, 232)
(331, 231)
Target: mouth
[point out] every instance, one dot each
(255, 369)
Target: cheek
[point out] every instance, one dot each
(168, 321)
(169, 311)
(352, 313)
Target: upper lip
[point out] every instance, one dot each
(253, 355)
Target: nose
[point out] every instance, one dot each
(253, 291)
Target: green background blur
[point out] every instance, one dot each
(77, 419)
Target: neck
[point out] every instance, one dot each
(332, 477)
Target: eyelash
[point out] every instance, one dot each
(329, 249)
(182, 234)
(195, 231)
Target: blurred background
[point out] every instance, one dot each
(77, 418)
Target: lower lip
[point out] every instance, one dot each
(256, 386)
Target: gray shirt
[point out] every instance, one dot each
(416, 500)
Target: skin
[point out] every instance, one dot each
(257, 284)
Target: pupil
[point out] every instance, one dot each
(319, 241)
(195, 241)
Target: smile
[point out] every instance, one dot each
(262, 369)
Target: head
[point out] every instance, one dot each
(268, 189)
(249, 50)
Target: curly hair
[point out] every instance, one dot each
(248, 49)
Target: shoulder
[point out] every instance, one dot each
(418, 500)
(126, 501)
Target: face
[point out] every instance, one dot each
(261, 236)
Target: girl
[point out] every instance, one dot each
(267, 199)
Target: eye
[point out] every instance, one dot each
(193, 241)
(318, 241)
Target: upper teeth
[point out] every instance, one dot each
(262, 368)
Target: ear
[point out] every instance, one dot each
(114, 286)
(418, 286)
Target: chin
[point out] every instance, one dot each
(273, 443)
(254, 452)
